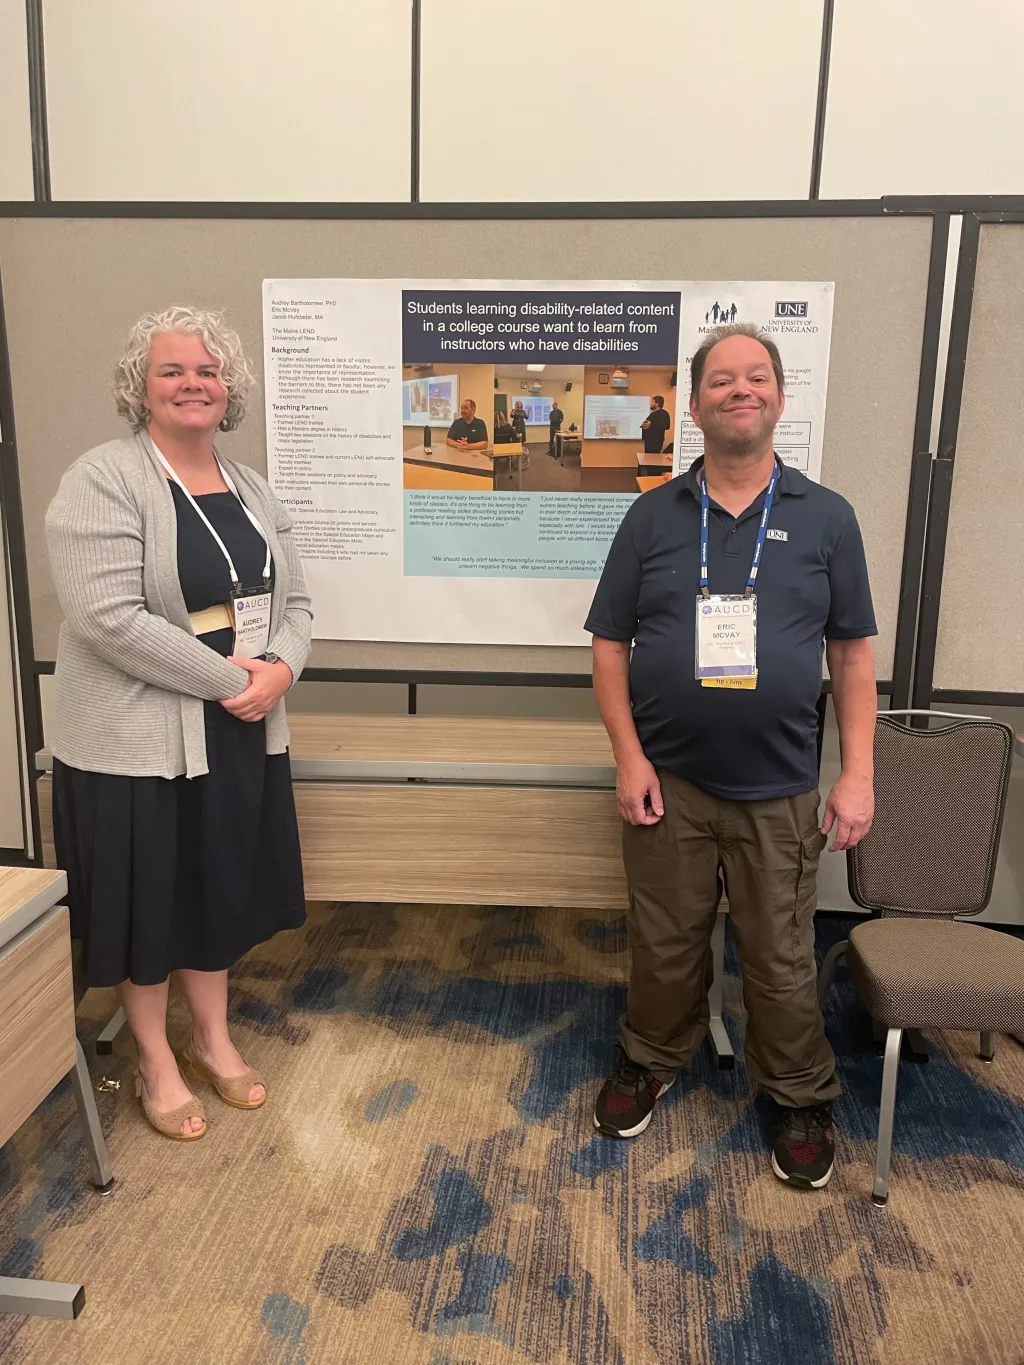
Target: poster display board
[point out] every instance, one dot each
(381, 412)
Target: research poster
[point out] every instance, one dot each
(456, 455)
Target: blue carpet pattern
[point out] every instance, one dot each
(424, 1186)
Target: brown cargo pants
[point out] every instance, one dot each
(766, 855)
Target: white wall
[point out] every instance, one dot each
(656, 99)
(925, 97)
(580, 100)
(15, 126)
(234, 100)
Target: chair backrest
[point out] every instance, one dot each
(939, 802)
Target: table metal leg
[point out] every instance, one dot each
(41, 1298)
(716, 1024)
(54, 1298)
(102, 1174)
(108, 1036)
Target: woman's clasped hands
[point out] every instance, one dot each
(268, 682)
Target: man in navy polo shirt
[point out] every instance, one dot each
(722, 589)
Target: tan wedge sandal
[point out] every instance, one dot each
(169, 1121)
(233, 1090)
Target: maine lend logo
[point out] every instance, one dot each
(718, 315)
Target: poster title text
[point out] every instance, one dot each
(477, 326)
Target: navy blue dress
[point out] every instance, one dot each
(185, 872)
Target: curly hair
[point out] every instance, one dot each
(223, 344)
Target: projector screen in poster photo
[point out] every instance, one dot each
(615, 416)
(432, 398)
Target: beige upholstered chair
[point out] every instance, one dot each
(930, 858)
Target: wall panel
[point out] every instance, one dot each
(231, 101)
(925, 97)
(74, 286)
(980, 644)
(592, 100)
(15, 123)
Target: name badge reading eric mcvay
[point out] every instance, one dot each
(726, 644)
(250, 613)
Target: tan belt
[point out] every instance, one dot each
(212, 618)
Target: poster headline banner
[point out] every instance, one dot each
(477, 326)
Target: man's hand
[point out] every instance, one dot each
(645, 426)
(267, 685)
(849, 809)
(463, 442)
(638, 792)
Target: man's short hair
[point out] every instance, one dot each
(659, 400)
(471, 402)
(733, 329)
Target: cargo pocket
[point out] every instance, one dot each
(811, 846)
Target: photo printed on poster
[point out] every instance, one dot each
(456, 456)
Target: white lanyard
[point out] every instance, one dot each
(209, 525)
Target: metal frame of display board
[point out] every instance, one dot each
(937, 210)
(12, 541)
(941, 481)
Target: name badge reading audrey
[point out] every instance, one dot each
(726, 646)
(250, 612)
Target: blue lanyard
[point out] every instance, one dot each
(762, 531)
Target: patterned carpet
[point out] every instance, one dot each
(424, 1187)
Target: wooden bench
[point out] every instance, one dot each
(456, 810)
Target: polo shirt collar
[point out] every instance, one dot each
(791, 482)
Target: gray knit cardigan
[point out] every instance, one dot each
(131, 676)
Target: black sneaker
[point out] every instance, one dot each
(624, 1106)
(805, 1146)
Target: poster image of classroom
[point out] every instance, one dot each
(540, 428)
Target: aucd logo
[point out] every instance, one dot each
(741, 607)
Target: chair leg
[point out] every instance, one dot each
(102, 1173)
(880, 1193)
(716, 1024)
(828, 969)
(987, 1050)
(915, 1047)
(106, 1039)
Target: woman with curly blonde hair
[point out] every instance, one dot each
(186, 619)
